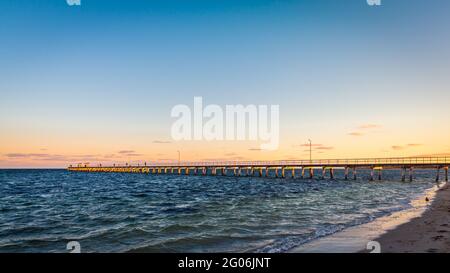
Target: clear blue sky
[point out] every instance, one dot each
(79, 71)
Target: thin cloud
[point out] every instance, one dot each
(52, 157)
(324, 148)
(109, 156)
(361, 129)
(133, 154)
(402, 147)
(317, 147)
(414, 145)
(369, 126)
(313, 145)
(126, 152)
(161, 141)
(130, 153)
(25, 155)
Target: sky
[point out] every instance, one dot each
(96, 83)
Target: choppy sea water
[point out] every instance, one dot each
(42, 210)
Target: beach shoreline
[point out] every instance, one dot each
(425, 227)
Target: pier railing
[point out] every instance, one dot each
(402, 163)
(314, 162)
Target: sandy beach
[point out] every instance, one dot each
(426, 234)
(423, 228)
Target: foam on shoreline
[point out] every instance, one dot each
(355, 239)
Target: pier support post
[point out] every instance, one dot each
(311, 173)
(446, 174)
(323, 172)
(204, 170)
(282, 173)
(252, 171)
(379, 174)
(411, 174)
(354, 173)
(179, 171)
(437, 173)
(213, 171)
(403, 174)
(267, 171)
(371, 174)
(331, 173)
(276, 172)
(303, 173)
(346, 173)
(293, 172)
(260, 172)
(186, 171)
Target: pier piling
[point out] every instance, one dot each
(373, 165)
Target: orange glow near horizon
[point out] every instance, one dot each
(371, 142)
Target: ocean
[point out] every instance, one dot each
(42, 210)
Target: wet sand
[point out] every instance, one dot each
(423, 228)
(426, 234)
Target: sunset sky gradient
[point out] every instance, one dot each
(96, 83)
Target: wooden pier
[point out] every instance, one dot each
(285, 168)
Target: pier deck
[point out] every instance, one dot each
(279, 168)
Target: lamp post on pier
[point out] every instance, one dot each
(310, 150)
